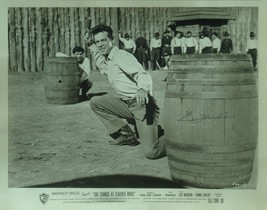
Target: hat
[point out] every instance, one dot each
(166, 32)
(226, 33)
(252, 34)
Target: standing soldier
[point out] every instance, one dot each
(191, 46)
(216, 43)
(129, 44)
(142, 50)
(227, 44)
(204, 44)
(155, 46)
(166, 42)
(252, 46)
(177, 44)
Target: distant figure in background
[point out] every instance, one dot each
(204, 44)
(177, 44)
(166, 42)
(216, 43)
(191, 45)
(129, 44)
(227, 44)
(142, 50)
(252, 46)
(166, 57)
(85, 68)
(155, 46)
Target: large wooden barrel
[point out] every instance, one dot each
(62, 80)
(211, 119)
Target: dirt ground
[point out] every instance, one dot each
(66, 145)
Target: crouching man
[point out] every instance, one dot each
(135, 101)
(84, 64)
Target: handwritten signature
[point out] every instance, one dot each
(189, 116)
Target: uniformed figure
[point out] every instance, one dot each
(227, 44)
(177, 44)
(166, 42)
(252, 46)
(129, 44)
(205, 45)
(191, 45)
(216, 43)
(142, 50)
(155, 46)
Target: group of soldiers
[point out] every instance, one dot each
(160, 49)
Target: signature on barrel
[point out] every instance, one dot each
(190, 116)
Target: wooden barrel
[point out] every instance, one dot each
(211, 119)
(62, 80)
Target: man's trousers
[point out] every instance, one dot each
(111, 111)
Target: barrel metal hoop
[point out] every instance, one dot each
(209, 148)
(209, 95)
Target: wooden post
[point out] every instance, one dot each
(33, 40)
(62, 30)
(115, 25)
(51, 32)
(56, 31)
(39, 24)
(72, 29)
(19, 39)
(12, 40)
(26, 39)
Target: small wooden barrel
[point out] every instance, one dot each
(211, 119)
(62, 82)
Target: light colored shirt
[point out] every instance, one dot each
(85, 66)
(124, 72)
(203, 43)
(177, 42)
(252, 44)
(155, 43)
(191, 42)
(128, 44)
(216, 44)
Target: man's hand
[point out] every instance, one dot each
(141, 97)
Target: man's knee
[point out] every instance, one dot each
(95, 102)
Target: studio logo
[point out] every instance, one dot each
(44, 198)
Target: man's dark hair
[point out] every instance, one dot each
(215, 34)
(77, 49)
(178, 32)
(102, 28)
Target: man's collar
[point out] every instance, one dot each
(112, 52)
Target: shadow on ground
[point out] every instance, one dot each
(113, 181)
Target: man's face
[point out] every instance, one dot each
(252, 37)
(103, 43)
(189, 35)
(139, 35)
(79, 56)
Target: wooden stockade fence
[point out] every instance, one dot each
(36, 33)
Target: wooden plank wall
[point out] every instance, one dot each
(35, 33)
